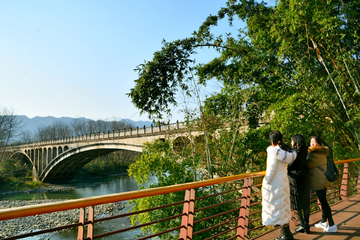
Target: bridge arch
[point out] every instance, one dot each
(64, 166)
(22, 155)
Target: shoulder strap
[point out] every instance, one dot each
(321, 169)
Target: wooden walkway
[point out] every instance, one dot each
(346, 215)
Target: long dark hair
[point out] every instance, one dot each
(300, 145)
(276, 137)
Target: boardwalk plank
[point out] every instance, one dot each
(346, 215)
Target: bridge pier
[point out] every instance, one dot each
(35, 175)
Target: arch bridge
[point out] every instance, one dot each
(59, 160)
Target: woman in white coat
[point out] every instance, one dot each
(276, 193)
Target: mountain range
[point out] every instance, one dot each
(31, 124)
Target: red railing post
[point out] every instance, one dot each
(358, 182)
(293, 218)
(82, 221)
(344, 182)
(187, 221)
(242, 229)
(90, 226)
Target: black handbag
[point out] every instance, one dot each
(332, 172)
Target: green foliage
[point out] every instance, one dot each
(17, 168)
(294, 68)
(160, 78)
(15, 174)
(305, 48)
(113, 163)
(170, 167)
(158, 160)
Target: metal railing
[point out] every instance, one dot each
(229, 207)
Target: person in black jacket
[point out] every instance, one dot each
(299, 185)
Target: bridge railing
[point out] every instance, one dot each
(229, 207)
(130, 132)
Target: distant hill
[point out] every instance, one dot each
(31, 124)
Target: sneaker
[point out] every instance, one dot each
(322, 225)
(332, 228)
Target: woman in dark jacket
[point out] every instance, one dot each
(299, 184)
(317, 165)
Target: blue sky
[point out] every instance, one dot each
(76, 58)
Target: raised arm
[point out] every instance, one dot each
(281, 155)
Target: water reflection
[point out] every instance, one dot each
(102, 186)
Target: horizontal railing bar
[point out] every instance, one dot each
(312, 201)
(256, 228)
(255, 220)
(137, 226)
(216, 205)
(255, 194)
(137, 212)
(236, 236)
(256, 185)
(216, 215)
(42, 231)
(347, 160)
(222, 233)
(218, 225)
(333, 193)
(334, 186)
(255, 212)
(349, 191)
(161, 233)
(216, 194)
(254, 203)
(328, 199)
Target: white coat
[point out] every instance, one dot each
(275, 188)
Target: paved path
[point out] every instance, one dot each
(346, 215)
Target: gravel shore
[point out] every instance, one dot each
(24, 225)
(49, 220)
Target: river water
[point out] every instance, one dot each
(115, 184)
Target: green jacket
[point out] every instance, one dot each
(318, 158)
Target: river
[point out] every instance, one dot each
(115, 184)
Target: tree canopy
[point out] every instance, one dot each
(293, 68)
(297, 60)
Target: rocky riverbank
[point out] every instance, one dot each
(50, 220)
(43, 221)
(52, 188)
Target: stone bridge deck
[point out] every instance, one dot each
(346, 215)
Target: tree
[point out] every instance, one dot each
(26, 137)
(303, 53)
(9, 127)
(82, 126)
(58, 130)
